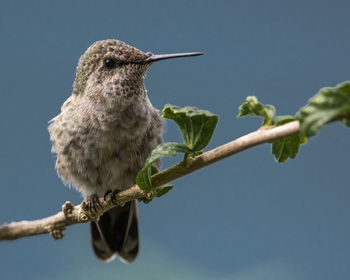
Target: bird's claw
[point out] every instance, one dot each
(112, 194)
(93, 201)
(113, 199)
(106, 194)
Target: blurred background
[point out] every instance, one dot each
(246, 217)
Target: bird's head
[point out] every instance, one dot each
(111, 69)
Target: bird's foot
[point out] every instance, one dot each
(107, 194)
(112, 194)
(93, 201)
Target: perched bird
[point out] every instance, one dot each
(103, 135)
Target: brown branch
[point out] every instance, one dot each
(80, 214)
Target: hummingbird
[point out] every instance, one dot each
(106, 130)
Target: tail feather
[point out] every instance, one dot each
(116, 233)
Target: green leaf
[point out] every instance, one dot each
(168, 149)
(196, 125)
(145, 200)
(253, 107)
(163, 190)
(284, 148)
(327, 105)
(288, 146)
(158, 192)
(143, 178)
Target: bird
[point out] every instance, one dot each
(103, 135)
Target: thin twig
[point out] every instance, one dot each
(80, 214)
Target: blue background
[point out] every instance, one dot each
(246, 217)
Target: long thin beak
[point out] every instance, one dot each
(155, 57)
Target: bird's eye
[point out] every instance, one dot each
(110, 63)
